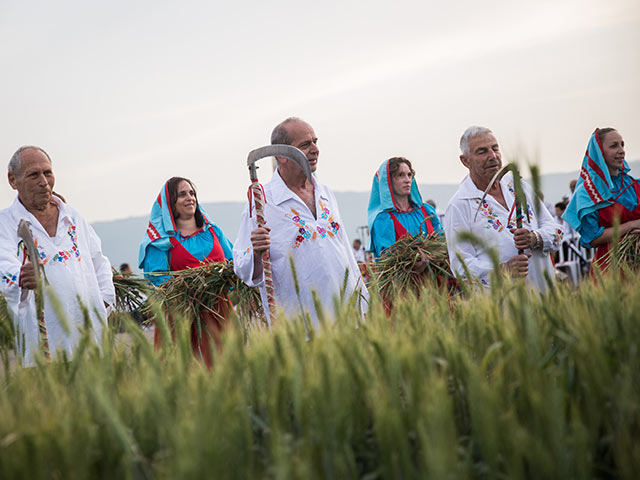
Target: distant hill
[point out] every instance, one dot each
(120, 238)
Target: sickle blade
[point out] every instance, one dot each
(30, 246)
(286, 151)
(496, 178)
(32, 253)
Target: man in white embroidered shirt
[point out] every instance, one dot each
(302, 222)
(70, 254)
(494, 220)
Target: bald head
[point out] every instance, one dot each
(298, 133)
(281, 134)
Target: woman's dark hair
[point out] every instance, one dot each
(172, 187)
(602, 132)
(561, 205)
(394, 165)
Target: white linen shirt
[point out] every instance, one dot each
(319, 247)
(494, 225)
(75, 269)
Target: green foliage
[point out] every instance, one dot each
(6, 325)
(502, 384)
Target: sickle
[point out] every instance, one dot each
(34, 258)
(286, 151)
(496, 178)
(292, 153)
(521, 200)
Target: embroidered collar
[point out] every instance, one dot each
(468, 189)
(65, 213)
(281, 193)
(19, 211)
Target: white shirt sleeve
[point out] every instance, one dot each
(243, 250)
(101, 265)
(354, 269)
(548, 228)
(9, 268)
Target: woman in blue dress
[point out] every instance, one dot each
(396, 208)
(605, 194)
(180, 236)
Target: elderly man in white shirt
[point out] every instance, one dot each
(302, 222)
(70, 255)
(494, 220)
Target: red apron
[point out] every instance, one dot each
(181, 259)
(211, 322)
(402, 232)
(608, 215)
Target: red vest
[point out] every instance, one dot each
(607, 215)
(180, 258)
(402, 232)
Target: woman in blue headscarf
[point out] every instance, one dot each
(604, 193)
(396, 208)
(181, 236)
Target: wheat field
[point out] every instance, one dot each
(500, 384)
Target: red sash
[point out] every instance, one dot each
(402, 232)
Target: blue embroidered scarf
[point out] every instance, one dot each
(593, 189)
(162, 225)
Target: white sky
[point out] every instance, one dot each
(125, 94)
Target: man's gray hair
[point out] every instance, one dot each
(470, 133)
(15, 163)
(280, 135)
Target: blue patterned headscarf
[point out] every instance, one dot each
(382, 199)
(162, 225)
(593, 189)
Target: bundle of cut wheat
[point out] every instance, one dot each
(626, 253)
(131, 291)
(195, 289)
(399, 269)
